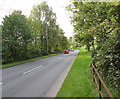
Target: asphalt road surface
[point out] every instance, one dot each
(34, 79)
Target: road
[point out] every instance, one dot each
(34, 79)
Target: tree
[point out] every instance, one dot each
(36, 33)
(15, 37)
(84, 39)
(1, 44)
(100, 20)
(51, 34)
(33, 37)
(44, 14)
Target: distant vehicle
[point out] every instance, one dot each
(66, 52)
(72, 49)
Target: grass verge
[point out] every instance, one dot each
(24, 61)
(79, 81)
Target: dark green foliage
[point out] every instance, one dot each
(84, 39)
(108, 54)
(0, 44)
(48, 36)
(100, 20)
(36, 36)
(107, 61)
(15, 37)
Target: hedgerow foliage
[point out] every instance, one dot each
(101, 22)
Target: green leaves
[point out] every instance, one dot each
(15, 36)
(100, 20)
(36, 36)
(51, 38)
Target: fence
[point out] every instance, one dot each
(100, 83)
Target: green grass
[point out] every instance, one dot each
(79, 81)
(24, 61)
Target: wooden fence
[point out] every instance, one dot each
(100, 83)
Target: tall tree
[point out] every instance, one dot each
(15, 37)
(44, 14)
(51, 35)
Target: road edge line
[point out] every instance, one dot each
(52, 92)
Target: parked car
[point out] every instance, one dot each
(66, 52)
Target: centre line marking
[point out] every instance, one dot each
(31, 70)
(1, 83)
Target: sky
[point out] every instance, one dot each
(7, 6)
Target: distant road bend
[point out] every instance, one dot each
(34, 79)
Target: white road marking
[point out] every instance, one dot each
(31, 70)
(1, 83)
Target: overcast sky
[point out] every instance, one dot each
(7, 6)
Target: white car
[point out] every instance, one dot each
(72, 49)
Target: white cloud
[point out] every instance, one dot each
(7, 6)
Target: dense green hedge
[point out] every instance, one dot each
(100, 20)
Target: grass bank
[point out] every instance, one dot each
(24, 61)
(79, 81)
